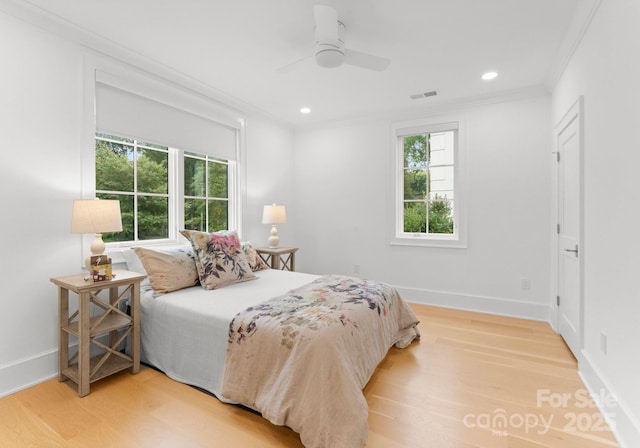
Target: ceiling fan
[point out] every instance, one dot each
(330, 50)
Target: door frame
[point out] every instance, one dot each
(575, 113)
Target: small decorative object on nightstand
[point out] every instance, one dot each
(81, 368)
(279, 257)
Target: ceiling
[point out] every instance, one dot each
(236, 47)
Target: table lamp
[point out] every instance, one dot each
(274, 214)
(96, 216)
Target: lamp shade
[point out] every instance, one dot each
(274, 214)
(96, 216)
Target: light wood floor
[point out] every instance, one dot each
(448, 390)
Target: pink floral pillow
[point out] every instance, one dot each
(220, 260)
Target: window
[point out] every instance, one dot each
(206, 197)
(138, 174)
(135, 173)
(428, 194)
(428, 159)
(169, 154)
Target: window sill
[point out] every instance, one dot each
(444, 242)
(115, 250)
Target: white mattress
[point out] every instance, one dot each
(184, 333)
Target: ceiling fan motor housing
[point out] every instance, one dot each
(330, 54)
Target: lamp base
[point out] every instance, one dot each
(97, 248)
(273, 240)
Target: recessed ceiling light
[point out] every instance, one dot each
(305, 110)
(489, 76)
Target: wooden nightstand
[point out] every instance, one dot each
(81, 368)
(279, 257)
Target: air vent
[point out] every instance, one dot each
(417, 96)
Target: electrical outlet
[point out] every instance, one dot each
(603, 342)
(525, 284)
(356, 268)
(124, 304)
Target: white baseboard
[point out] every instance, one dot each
(622, 422)
(482, 304)
(28, 372)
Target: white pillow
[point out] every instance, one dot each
(169, 270)
(135, 265)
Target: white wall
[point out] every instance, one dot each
(40, 122)
(606, 69)
(342, 205)
(41, 107)
(269, 179)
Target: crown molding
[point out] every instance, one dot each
(585, 12)
(453, 105)
(100, 46)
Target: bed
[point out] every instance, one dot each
(296, 347)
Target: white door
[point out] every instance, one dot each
(569, 250)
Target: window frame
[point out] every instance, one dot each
(175, 189)
(429, 125)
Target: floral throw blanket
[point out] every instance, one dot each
(302, 359)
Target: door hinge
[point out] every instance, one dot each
(558, 300)
(558, 156)
(558, 229)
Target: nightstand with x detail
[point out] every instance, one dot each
(113, 323)
(283, 258)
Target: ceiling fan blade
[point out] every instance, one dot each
(365, 60)
(326, 19)
(294, 65)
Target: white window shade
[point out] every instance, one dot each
(122, 113)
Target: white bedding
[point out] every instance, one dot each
(184, 333)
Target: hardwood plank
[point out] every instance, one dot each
(443, 392)
(20, 426)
